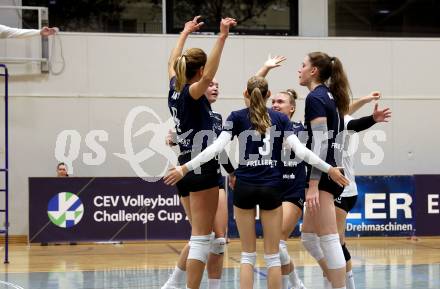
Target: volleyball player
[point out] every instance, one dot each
(294, 178)
(215, 258)
(346, 202)
(190, 74)
(324, 110)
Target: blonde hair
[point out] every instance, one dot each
(292, 95)
(187, 65)
(331, 70)
(257, 89)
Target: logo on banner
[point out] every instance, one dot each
(65, 210)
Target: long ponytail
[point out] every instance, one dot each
(180, 69)
(187, 65)
(257, 88)
(332, 71)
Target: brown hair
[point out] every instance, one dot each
(331, 70)
(187, 65)
(257, 89)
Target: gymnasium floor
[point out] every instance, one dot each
(394, 263)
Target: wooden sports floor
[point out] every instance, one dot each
(379, 263)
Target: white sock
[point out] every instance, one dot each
(214, 283)
(327, 284)
(178, 276)
(294, 280)
(285, 280)
(349, 280)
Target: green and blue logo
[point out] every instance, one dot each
(65, 210)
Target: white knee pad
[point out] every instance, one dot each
(249, 258)
(332, 250)
(272, 260)
(284, 254)
(218, 246)
(199, 248)
(310, 241)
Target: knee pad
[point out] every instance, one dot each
(218, 246)
(284, 254)
(272, 260)
(249, 258)
(199, 248)
(332, 250)
(347, 255)
(310, 241)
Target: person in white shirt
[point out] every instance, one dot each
(9, 32)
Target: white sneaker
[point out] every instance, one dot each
(301, 286)
(170, 285)
(327, 284)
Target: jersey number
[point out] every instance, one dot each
(266, 148)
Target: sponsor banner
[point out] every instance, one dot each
(428, 204)
(385, 207)
(104, 209)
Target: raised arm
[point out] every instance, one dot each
(357, 104)
(270, 63)
(363, 123)
(177, 173)
(198, 88)
(9, 32)
(189, 28)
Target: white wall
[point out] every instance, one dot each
(107, 75)
(10, 17)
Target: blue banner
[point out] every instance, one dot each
(385, 207)
(104, 209)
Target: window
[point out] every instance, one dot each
(279, 17)
(261, 17)
(402, 18)
(129, 16)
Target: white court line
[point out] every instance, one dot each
(11, 284)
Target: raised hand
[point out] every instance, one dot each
(270, 63)
(273, 62)
(373, 96)
(192, 25)
(381, 115)
(226, 24)
(48, 31)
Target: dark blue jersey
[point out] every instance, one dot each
(294, 170)
(260, 155)
(320, 103)
(190, 117)
(217, 127)
(217, 122)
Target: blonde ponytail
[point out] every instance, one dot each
(180, 68)
(257, 89)
(187, 65)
